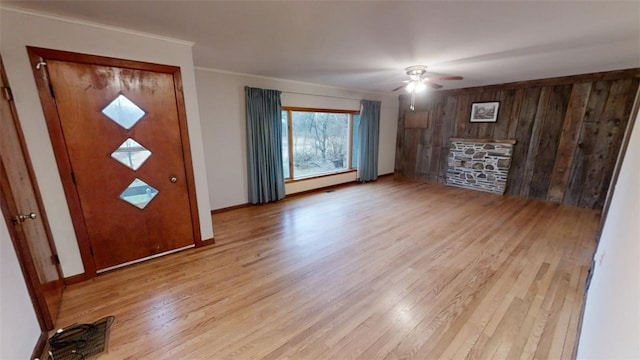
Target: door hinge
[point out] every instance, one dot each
(91, 250)
(41, 66)
(73, 177)
(55, 259)
(6, 92)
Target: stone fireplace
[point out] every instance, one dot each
(480, 164)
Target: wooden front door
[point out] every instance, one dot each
(124, 140)
(26, 219)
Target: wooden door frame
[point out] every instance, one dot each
(47, 98)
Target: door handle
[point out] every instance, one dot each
(173, 179)
(22, 217)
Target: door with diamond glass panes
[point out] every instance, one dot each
(124, 141)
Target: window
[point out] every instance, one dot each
(317, 142)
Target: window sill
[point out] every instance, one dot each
(313, 177)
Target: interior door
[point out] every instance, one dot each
(123, 140)
(28, 226)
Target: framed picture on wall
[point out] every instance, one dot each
(484, 111)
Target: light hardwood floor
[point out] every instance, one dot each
(395, 269)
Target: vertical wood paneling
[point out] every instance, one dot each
(603, 134)
(587, 141)
(462, 115)
(534, 141)
(422, 155)
(400, 145)
(500, 128)
(424, 152)
(423, 160)
(411, 138)
(549, 137)
(568, 141)
(612, 126)
(438, 115)
(567, 131)
(526, 119)
(515, 114)
(448, 127)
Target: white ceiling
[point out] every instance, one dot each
(365, 45)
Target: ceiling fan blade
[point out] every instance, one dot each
(399, 87)
(446, 78)
(434, 85)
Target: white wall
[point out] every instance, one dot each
(222, 113)
(19, 329)
(611, 323)
(19, 29)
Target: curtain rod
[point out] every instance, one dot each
(327, 96)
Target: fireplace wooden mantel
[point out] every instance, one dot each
(489, 141)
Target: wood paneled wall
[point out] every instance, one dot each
(568, 133)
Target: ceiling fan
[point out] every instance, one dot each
(418, 81)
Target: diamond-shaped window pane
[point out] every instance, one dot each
(139, 193)
(131, 154)
(123, 112)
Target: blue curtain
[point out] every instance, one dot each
(264, 145)
(369, 131)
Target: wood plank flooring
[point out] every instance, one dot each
(395, 269)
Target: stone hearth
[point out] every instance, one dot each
(480, 164)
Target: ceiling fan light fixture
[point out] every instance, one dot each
(411, 86)
(416, 71)
(418, 80)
